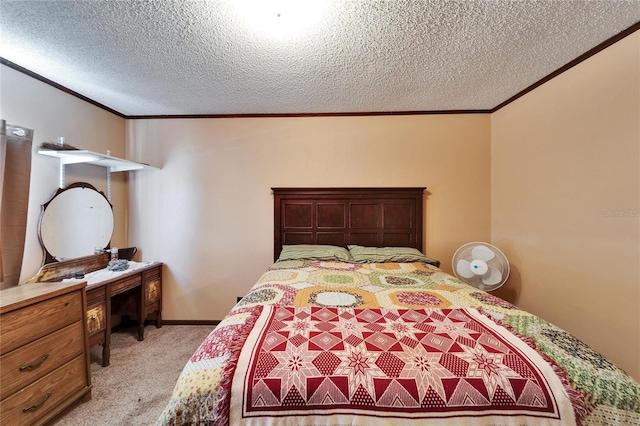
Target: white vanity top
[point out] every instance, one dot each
(104, 274)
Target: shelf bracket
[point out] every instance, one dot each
(62, 174)
(62, 165)
(109, 184)
(108, 178)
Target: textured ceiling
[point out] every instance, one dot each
(304, 56)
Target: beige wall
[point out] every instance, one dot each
(52, 113)
(565, 185)
(209, 212)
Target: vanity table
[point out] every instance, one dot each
(136, 293)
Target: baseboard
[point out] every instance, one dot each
(190, 322)
(126, 322)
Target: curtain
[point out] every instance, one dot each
(16, 176)
(3, 150)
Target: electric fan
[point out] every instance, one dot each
(481, 265)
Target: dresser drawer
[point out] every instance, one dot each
(36, 359)
(125, 284)
(152, 274)
(96, 295)
(96, 318)
(45, 394)
(25, 325)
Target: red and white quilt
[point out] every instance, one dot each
(374, 366)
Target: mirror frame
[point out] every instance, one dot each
(48, 257)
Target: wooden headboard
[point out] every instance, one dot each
(379, 217)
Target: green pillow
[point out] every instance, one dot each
(314, 252)
(362, 254)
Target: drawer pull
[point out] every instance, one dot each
(36, 406)
(35, 364)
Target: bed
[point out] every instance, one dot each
(354, 325)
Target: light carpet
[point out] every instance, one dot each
(137, 386)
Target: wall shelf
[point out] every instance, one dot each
(81, 156)
(77, 156)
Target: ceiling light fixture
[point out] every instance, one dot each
(281, 18)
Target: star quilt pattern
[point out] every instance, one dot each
(397, 364)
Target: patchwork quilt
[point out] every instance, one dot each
(337, 343)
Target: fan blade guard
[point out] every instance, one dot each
(481, 265)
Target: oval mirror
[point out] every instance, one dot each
(76, 221)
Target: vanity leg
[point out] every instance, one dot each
(106, 355)
(142, 307)
(106, 346)
(159, 319)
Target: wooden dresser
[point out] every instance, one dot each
(44, 355)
